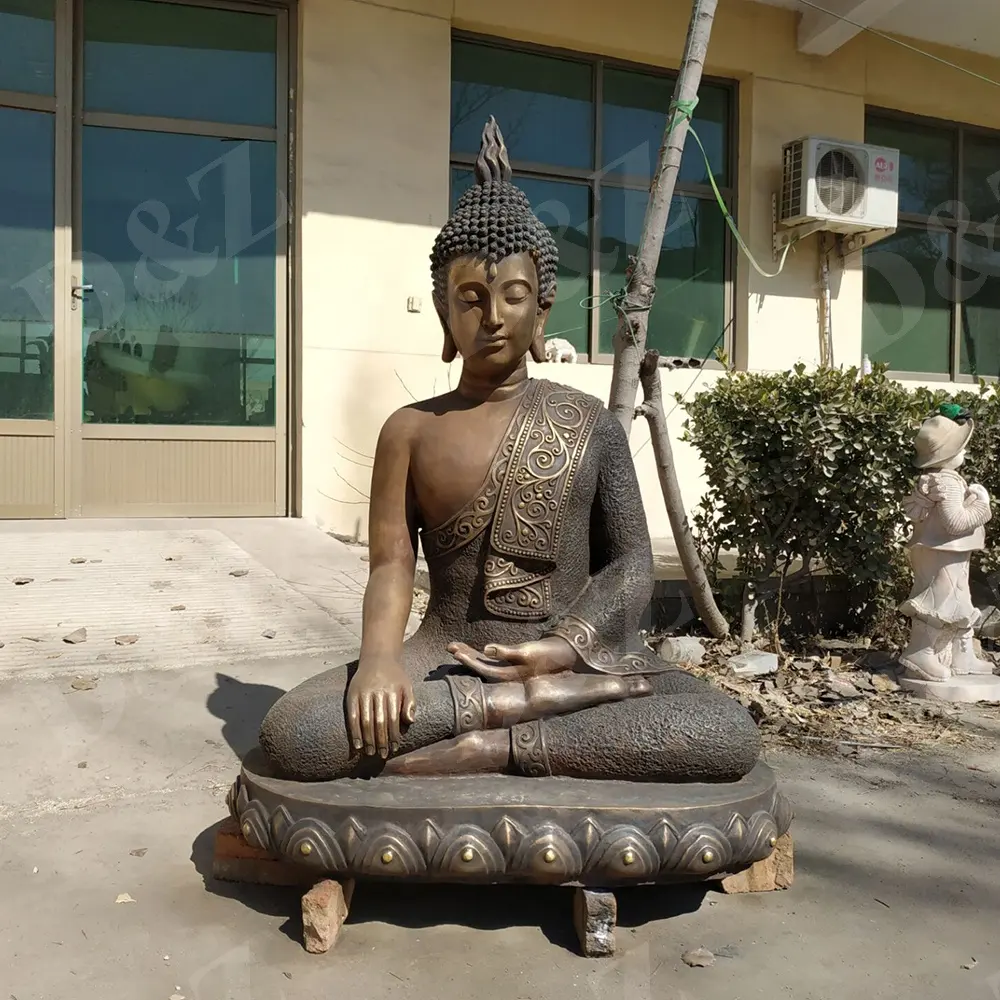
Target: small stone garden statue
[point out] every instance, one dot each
(948, 515)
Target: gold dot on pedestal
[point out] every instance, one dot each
(773, 841)
(549, 856)
(708, 857)
(246, 829)
(628, 858)
(468, 854)
(306, 849)
(387, 857)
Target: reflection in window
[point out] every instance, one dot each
(635, 115)
(688, 313)
(27, 218)
(174, 61)
(907, 311)
(980, 291)
(544, 106)
(927, 163)
(921, 309)
(180, 327)
(27, 46)
(981, 177)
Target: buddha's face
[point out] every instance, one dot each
(493, 314)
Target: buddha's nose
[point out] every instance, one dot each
(492, 320)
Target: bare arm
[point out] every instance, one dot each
(392, 534)
(380, 695)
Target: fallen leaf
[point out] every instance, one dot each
(31, 638)
(20, 581)
(970, 965)
(82, 764)
(83, 683)
(97, 560)
(699, 958)
(139, 852)
(179, 607)
(76, 560)
(238, 572)
(34, 871)
(126, 640)
(78, 635)
(124, 898)
(885, 904)
(269, 633)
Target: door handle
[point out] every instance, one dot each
(78, 292)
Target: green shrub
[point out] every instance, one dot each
(813, 466)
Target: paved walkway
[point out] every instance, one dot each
(172, 594)
(118, 787)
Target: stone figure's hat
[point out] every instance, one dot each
(943, 436)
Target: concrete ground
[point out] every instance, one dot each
(118, 787)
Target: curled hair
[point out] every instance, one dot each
(493, 220)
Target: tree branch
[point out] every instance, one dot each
(694, 570)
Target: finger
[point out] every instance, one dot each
(381, 728)
(409, 704)
(512, 654)
(493, 671)
(393, 700)
(367, 729)
(354, 722)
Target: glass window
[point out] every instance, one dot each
(635, 115)
(544, 106)
(981, 176)
(179, 240)
(931, 297)
(27, 46)
(927, 162)
(688, 315)
(564, 209)
(27, 219)
(172, 61)
(907, 311)
(979, 337)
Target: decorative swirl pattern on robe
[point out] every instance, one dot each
(583, 637)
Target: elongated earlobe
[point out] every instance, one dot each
(449, 351)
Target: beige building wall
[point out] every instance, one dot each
(373, 157)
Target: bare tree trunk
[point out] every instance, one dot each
(630, 336)
(632, 361)
(652, 410)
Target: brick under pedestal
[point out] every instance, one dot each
(237, 861)
(771, 874)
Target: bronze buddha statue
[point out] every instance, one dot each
(527, 671)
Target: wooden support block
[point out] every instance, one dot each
(236, 861)
(595, 916)
(324, 909)
(769, 875)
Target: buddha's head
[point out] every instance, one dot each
(494, 269)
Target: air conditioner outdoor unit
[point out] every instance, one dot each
(840, 187)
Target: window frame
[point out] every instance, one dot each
(593, 179)
(915, 221)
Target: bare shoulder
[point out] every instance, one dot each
(402, 427)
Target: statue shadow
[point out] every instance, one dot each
(242, 708)
(497, 907)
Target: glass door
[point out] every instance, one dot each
(30, 327)
(180, 248)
